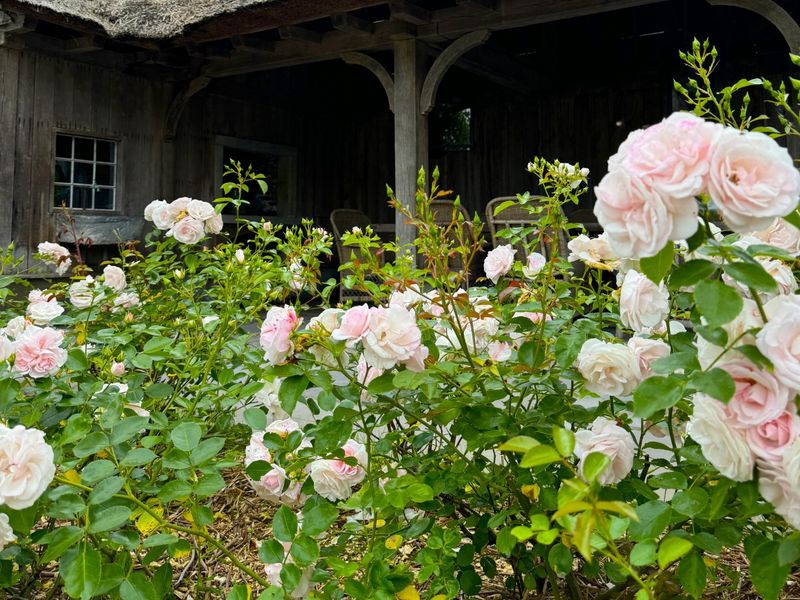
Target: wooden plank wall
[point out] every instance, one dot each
(40, 95)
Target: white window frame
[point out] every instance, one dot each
(94, 186)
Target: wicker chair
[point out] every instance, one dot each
(517, 216)
(342, 220)
(443, 215)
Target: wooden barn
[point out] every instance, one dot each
(106, 105)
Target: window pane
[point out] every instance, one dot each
(81, 197)
(62, 171)
(64, 146)
(103, 198)
(84, 149)
(105, 151)
(104, 175)
(82, 172)
(61, 196)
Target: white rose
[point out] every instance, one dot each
(534, 265)
(643, 305)
(609, 369)
(117, 369)
(114, 277)
(748, 318)
(791, 464)
(187, 231)
(779, 339)
(647, 351)
(594, 252)
(152, 207)
(392, 336)
(6, 347)
(500, 351)
(16, 327)
(200, 210)
(329, 481)
(127, 300)
(724, 446)
(162, 215)
(26, 466)
(610, 439)
(782, 235)
(6, 533)
(273, 572)
(214, 223)
(41, 313)
(775, 486)
(781, 273)
(326, 322)
(498, 262)
(83, 294)
(283, 427)
(408, 298)
(239, 255)
(268, 397)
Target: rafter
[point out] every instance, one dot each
(352, 24)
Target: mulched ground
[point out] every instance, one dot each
(243, 521)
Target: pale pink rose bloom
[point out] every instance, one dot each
(723, 445)
(791, 464)
(779, 339)
(392, 336)
(276, 333)
(647, 351)
(354, 325)
(327, 321)
(433, 304)
(117, 369)
(781, 234)
(781, 273)
(41, 311)
(163, 215)
(534, 264)
(535, 317)
(777, 489)
(498, 262)
(768, 440)
(127, 300)
(671, 157)
(639, 221)
(365, 375)
(408, 298)
(610, 439)
(328, 481)
(6, 532)
(752, 179)
(214, 223)
(26, 466)
(38, 352)
(239, 256)
(759, 396)
(152, 207)
(114, 277)
(16, 327)
(187, 231)
(594, 252)
(38, 296)
(6, 347)
(643, 305)
(354, 474)
(417, 361)
(83, 294)
(55, 254)
(256, 450)
(273, 574)
(608, 369)
(200, 210)
(500, 351)
(283, 427)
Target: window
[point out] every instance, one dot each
(85, 173)
(451, 128)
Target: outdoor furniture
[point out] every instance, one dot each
(518, 217)
(585, 217)
(342, 220)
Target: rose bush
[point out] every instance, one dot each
(546, 425)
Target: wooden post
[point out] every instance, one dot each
(410, 129)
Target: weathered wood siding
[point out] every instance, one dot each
(41, 95)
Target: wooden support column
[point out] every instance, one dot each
(410, 129)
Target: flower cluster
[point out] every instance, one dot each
(185, 219)
(55, 254)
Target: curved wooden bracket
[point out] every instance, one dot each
(179, 103)
(377, 69)
(774, 13)
(443, 62)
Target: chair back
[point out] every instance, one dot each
(518, 217)
(442, 211)
(342, 220)
(585, 217)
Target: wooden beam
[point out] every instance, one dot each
(351, 24)
(83, 43)
(406, 11)
(179, 102)
(16, 22)
(377, 69)
(486, 5)
(249, 43)
(505, 70)
(772, 12)
(300, 34)
(444, 61)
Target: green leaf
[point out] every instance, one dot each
(655, 394)
(690, 502)
(691, 272)
(654, 516)
(594, 465)
(58, 541)
(643, 553)
(751, 275)
(206, 450)
(304, 550)
(669, 480)
(238, 592)
(318, 515)
(159, 390)
(137, 457)
(209, 484)
(109, 518)
(793, 218)
(692, 574)
(789, 550)
(766, 571)
(273, 592)
(105, 490)
(560, 559)
(255, 418)
(186, 436)
(715, 382)
(271, 552)
(564, 441)
(137, 587)
(539, 455)
(82, 572)
(717, 302)
(127, 428)
(76, 360)
(160, 539)
(91, 444)
(284, 524)
(291, 391)
(671, 549)
(8, 391)
(520, 444)
(97, 470)
(172, 490)
(656, 267)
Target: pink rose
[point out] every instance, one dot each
(535, 317)
(117, 369)
(639, 221)
(752, 179)
(392, 336)
(214, 223)
(162, 214)
(55, 254)
(779, 491)
(779, 339)
(609, 369)
(187, 231)
(354, 325)
(417, 360)
(769, 439)
(114, 277)
(759, 396)
(500, 351)
(354, 474)
(26, 466)
(200, 210)
(365, 375)
(283, 427)
(534, 264)
(782, 235)
(643, 305)
(670, 157)
(38, 352)
(647, 351)
(610, 439)
(276, 333)
(722, 444)
(499, 262)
